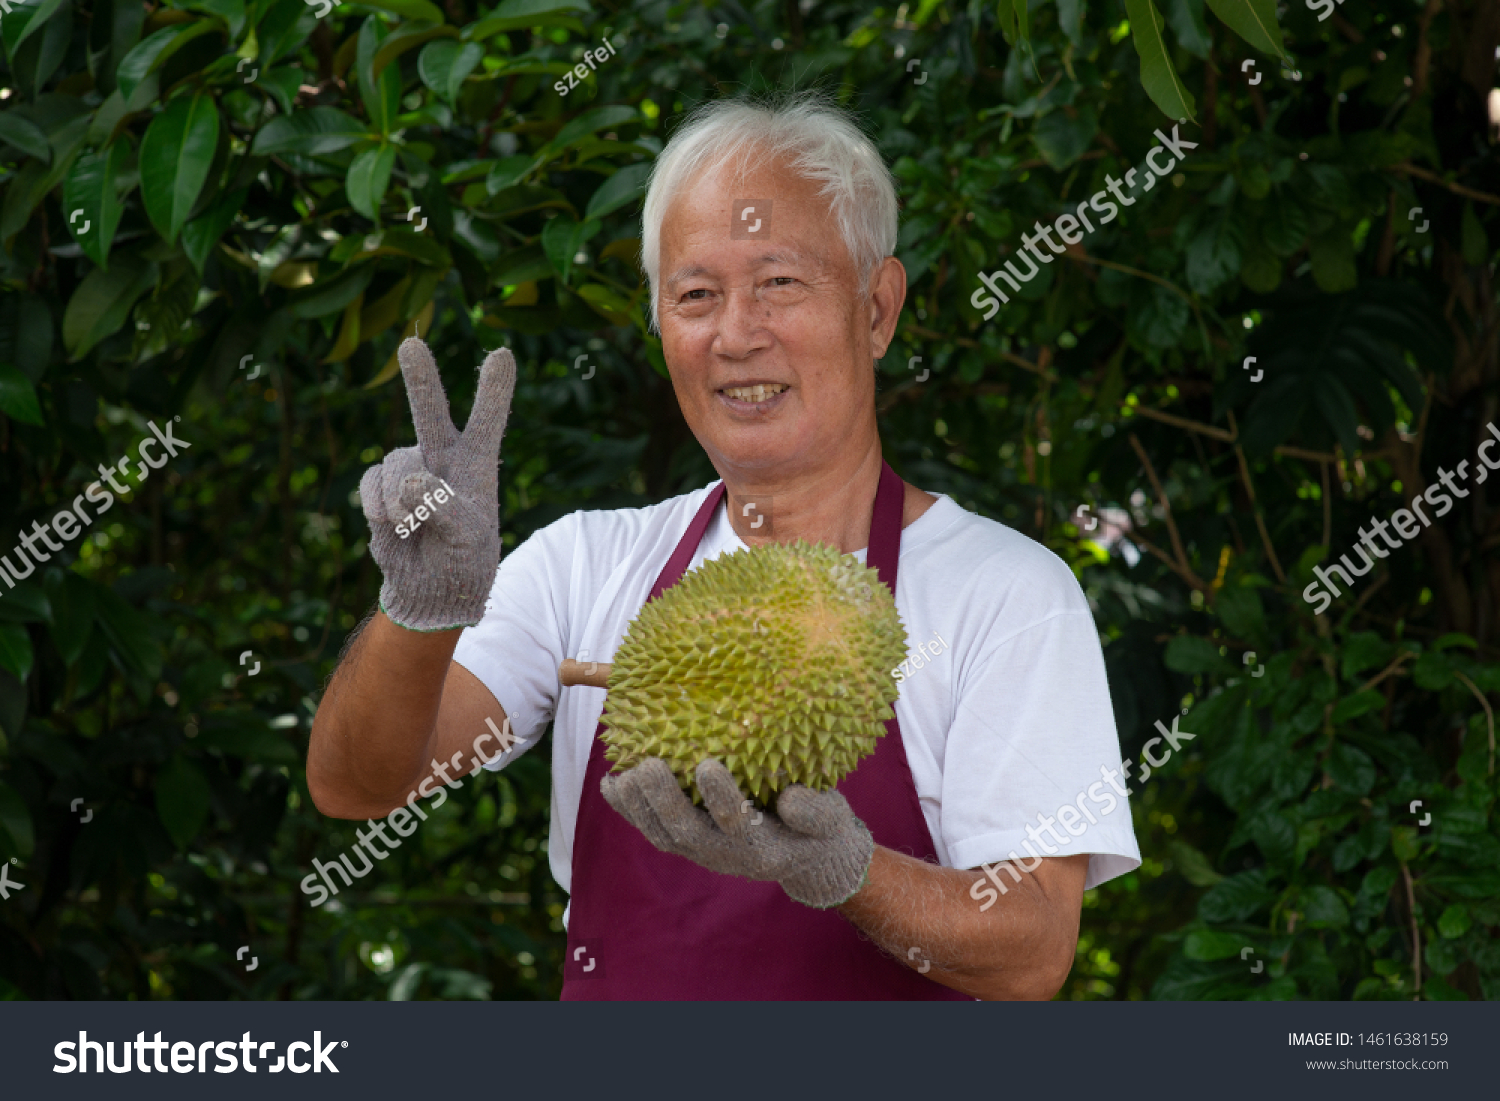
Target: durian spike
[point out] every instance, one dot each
(592, 674)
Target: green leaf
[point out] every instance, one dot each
(1070, 19)
(92, 204)
(561, 237)
(1023, 21)
(1360, 703)
(514, 15)
(1405, 845)
(444, 64)
(1455, 921)
(183, 800)
(176, 154)
(521, 266)
(201, 234)
(15, 649)
(231, 11)
(332, 295)
(409, 36)
(1191, 654)
(408, 9)
(1350, 767)
(1240, 608)
(606, 303)
(21, 25)
(1433, 671)
(1186, 17)
(590, 122)
(369, 175)
(1062, 140)
(625, 186)
(245, 735)
(26, 603)
(1323, 908)
(1210, 944)
(313, 132)
(25, 135)
(151, 52)
(1365, 650)
(1158, 74)
(15, 820)
(381, 95)
(18, 398)
(1252, 20)
(508, 172)
(1193, 865)
(282, 84)
(1237, 898)
(130, 634)
(1005, 16)
(102, 302)
(1332, 255)
(1274, 835)
(71, 600)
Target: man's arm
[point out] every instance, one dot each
(397, 704)
(1021, 948)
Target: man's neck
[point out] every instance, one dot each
(833, 505)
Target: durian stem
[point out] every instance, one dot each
(593, 674)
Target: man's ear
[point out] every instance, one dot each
(887, 295)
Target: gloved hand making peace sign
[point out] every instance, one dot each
(438, 575)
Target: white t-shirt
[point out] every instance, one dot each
(1009, 721)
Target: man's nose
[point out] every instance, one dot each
(742, 324)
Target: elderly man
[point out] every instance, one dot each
(768, 234)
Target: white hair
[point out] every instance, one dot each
(813, 137)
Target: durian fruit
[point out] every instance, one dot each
(776, 660)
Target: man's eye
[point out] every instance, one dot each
(696, 295)
(783, 280)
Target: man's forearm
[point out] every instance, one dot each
(1021, 948)
(374, 729)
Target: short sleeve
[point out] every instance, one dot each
(1033, 732)
(515, 650)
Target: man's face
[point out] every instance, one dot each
(770, 346)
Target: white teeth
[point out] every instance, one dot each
(757, 393)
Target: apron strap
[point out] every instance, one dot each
(885, 526)
(687, 546)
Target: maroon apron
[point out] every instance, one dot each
(645, 924)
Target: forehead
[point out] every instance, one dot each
(764, 208)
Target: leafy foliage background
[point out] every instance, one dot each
(208, 214)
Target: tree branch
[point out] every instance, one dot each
(1182, 568)
(1260, 521)
(1489, 713)
(1457, 189)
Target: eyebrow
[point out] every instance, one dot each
(779, 256)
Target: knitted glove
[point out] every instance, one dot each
(438, 574)
(816, 849)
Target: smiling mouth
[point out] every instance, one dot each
(755, 394)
